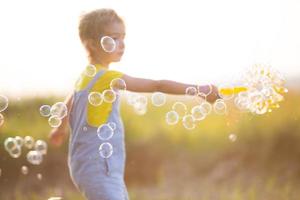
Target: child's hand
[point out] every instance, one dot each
(56, 136)
(212, 91)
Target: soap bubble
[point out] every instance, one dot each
(191, 91)
(28, 142)
(172, 117)
(131, 98)
(45, 110)
(198, 113)
(41, 146)
(95, 98)
(24, 170)
(109, 96)
(117, 84)
(112, 125)
(54, 121)
(39, 176)
(105, 150)
(180, 108)
(10, 144)
(108, 44)
(90, 70)
(3, 103)
(204, 90)
(158, 99)
(140, 104)
(15, 152)
(34, 157)
(140, 109)
(220, 107)
(105, 132)
(188, 122)
(206, 107)
(59, 110)
(19, 140)
(232, 137)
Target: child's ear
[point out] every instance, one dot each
(91, 45)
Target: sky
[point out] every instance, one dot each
(188, 41)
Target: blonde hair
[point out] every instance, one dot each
(93, 23)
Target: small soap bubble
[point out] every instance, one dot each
(28, 142)
(158, 99)
(141, 99)
(84, 128)
(112, 125)
(109, 96)
(39, 176)
(59, 110)
(117, 84)
(198, 113)
(34, 157)
(108, 44)
(232, 137)
(105, 132)
(41, 146)
(90, 70)
(95, 98)
(204, 90)
(19, 140)
(206, 107)
(188, 122)
(3, 103)
(180, 108)
(24, 170)
(54, 121)
(1, 119)
(172, 117)
(220, 107)
(131, 98)
(45, 110)
(140, 109)
(105, 150)
(191, 91)
(16, 152)
(10, 144)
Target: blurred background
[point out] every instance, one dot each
(187, 41)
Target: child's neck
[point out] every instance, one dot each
(95, 61)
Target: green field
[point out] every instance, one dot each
(168, 162)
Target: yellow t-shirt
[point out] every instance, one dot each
(97, 115)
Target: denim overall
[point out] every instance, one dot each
(96, 177)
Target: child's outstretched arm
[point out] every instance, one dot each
(166, 86)
(58, 134)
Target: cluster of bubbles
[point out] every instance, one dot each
(197, 113)
(56, 113)
(3, 107)
(105, 132)
(262, 91)
(13, 145)
(108, 95)
(139, 102)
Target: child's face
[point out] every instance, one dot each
(117, 32)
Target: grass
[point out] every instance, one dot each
(168, 162)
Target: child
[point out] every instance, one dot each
(96, 177)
